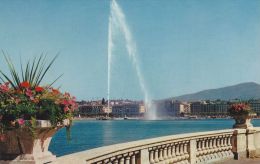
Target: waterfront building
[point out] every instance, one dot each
(126, 110)
(255, 105)
(209, 108)
(92, 110)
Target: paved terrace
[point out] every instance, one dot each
(220, 146)
(242, 161)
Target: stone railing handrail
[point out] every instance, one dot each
(197, 147)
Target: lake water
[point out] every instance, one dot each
(91, 134)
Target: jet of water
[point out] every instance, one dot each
(117, 20)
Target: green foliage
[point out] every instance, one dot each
(33, 72)
(25, 102)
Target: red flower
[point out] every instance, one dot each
(38, 89)
(25, 84)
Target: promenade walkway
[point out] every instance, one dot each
(243, 161)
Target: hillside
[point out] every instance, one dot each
(241, 91)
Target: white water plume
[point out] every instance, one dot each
(117, 20)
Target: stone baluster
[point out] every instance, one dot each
(174, 159)
(215, 144)
(169, 153)
(186, 153)
(211, 148)
(230, 145)
(127, 160)
(198, 153)
(122, 160)
(198, 146)
(151, 156)
(211, 145)
(206, 146)
(204, 149)
(203, 146)
(165, 153)
(133, 159)
(226, 146)
(229, 141)
(181, 157)
(223, 147)
(218, 142)
(215, 147)
(161, 154)
(185, 150)
(115, 161)
(177, 151)
(220, 155)
(107, 161)
(225, 143)
(156, 159)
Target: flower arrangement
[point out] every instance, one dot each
(239, 109)
(23, 99)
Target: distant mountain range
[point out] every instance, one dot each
(243, 91)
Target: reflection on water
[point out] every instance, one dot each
(107, 129)
(91, 134)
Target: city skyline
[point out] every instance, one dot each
(183, 46)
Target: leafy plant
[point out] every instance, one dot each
(33, 73)
(25, 101)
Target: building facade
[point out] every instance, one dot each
(126, 110)
(209, 108)
(92, 110)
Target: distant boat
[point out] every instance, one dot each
(103, 118)
(193, 117)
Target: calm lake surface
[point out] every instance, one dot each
(91, 134)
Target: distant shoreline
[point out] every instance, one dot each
(174, 118)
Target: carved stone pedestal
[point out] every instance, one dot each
(24, 146)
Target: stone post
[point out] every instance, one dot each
(257, 141)
(251, 149)
(239, 144)
(144, 156)
(192, 151)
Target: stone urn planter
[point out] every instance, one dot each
(21, 146)
(243, 121)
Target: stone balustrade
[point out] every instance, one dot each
(202, 147)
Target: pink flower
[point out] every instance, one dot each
(2, 137)
(4, 87)
(66, 108)
(65, 102)
(29, 93)
(20, 121)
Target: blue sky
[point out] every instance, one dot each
(184, 46)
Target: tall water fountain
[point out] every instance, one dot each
(117, 20)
